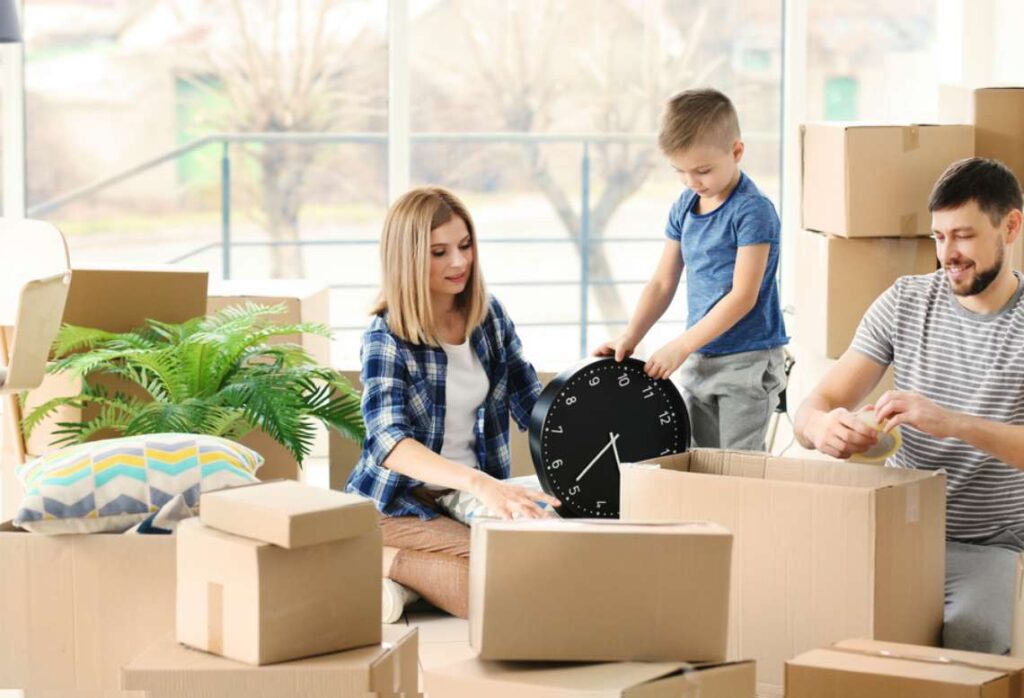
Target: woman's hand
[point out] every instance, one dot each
(511, 501)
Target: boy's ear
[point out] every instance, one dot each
(737, 150)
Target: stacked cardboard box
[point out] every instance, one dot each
(279, 571)
(385, 670)
(868, 185)
(597, 591)
(856, 668)
(822, 551)
(999, 133)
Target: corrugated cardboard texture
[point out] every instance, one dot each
(288, 514)
(277, 604)
(388, 670)
(841, 278)
(874, 181)
(558, 590)
(823, 551)
(855, 668)
(74, 609)
(476, 677)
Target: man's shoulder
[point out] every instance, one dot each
(918, 289)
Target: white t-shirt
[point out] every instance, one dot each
(466, 389)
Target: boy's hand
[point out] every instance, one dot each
(666, 360)
(621, 347)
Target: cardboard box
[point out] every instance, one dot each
(864, 180)
(585, 590)
(857, 668)
(476, 677)
(76, 608)
(116, 300)
(305, 302)
(258, 603)
(388, 670)
(823, 550)
(288, 514)
(999, 134)
(840, 279)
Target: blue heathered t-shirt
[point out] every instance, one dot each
(709, 243)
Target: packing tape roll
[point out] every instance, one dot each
(888, 443)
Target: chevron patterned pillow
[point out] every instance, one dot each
(109, 486)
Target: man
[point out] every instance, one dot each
(956, 341)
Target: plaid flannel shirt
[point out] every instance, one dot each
(404, 397)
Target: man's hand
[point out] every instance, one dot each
(621, 347)
(511, 501)
(666, 360)
(897, 407)
(840, 433)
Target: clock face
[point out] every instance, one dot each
(595, 416)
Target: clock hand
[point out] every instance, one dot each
(615, 449)
(600, 453)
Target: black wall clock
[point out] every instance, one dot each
(591, 418)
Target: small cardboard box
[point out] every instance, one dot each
(858, 668)
(999, 134)
(582, 590)
(387, 670)
(259, 603)
(76, 608)
(477, 677)
(863, 180)
(823, 550)
(287, 513)
(841, 278)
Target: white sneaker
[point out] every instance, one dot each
(394, 599)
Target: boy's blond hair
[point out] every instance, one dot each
(698, 117)
(405, 266)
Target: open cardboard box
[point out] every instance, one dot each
(76, 608)
(822, 550)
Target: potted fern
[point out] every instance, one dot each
(216, 375)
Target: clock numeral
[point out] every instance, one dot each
(594, 381)
(556, 430)
(623, 380)
(665, 418)
(571, 400)
(600, 502)
(574, 490)
(666, 452)
(648, 392)
(556, 464)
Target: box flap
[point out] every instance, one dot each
(525, 678)
(606, 526)
(921, 664)
(288, 513)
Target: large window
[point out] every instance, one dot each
(541, 114)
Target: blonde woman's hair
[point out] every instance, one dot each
(405, 265)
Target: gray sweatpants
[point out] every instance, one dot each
(979, 593)
(730, 398)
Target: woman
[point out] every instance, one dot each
(442, 371)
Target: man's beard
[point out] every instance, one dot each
(983, 278)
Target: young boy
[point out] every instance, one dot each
(725, 233)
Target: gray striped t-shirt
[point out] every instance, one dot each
(966, 362)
